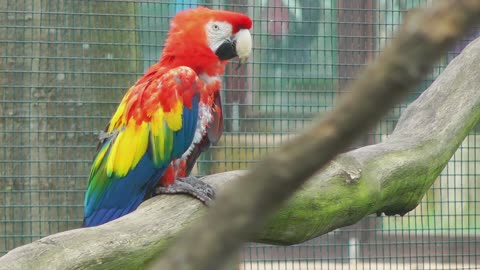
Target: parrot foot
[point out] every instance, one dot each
(191, 186)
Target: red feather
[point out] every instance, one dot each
(187, 45)
(187, 41)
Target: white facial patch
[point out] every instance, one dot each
(217, 32)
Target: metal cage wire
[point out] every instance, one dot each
(66, 64)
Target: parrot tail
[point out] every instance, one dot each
(104, 215)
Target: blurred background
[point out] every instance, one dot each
(65, 65)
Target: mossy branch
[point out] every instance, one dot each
(389, 177)
(248, 201)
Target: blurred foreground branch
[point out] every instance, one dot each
(390, 177)
(247, 202)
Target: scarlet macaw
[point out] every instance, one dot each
(168, 117)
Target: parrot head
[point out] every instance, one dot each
(201, 38)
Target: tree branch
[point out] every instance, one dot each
(246, 203)
(389, 177)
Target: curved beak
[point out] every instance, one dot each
(243, 45)
(240, 45)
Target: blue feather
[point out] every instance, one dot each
(123, 195)
(184, 137)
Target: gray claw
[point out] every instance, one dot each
(191, 186)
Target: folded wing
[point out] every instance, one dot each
(154, 124)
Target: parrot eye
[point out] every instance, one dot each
(217, 33)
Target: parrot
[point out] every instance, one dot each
(169, 117)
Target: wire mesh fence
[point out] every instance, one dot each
(65, 64)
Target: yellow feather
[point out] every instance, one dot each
(130, 146)
(126, 146)
(158, 133)
(118, 118)
(162, 126)
(156, 122)
(99, 157)
(112, 154)
(142, 142)
(174, 117)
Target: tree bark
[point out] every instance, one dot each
(356, 47)
(422, 40)
(389, 177)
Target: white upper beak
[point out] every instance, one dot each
(243, 45)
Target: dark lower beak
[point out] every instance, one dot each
(227, 50)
